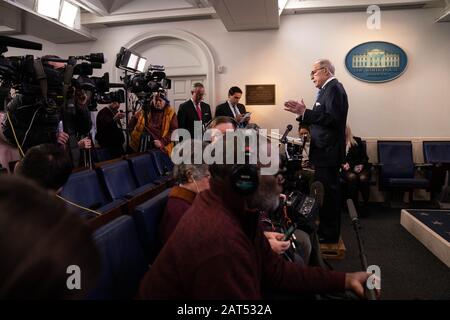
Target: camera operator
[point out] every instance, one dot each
(235, 260)
(109, 129)
(32, 118)
(77, 125)
(158, 119)
(36, 116)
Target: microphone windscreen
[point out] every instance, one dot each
(352, 210)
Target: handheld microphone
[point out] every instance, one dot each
(288, 129)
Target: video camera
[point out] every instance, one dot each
(291, 163)
(302, 210)
(97, 86)
(42, 90)
(145, 83)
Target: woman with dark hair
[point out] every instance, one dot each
(42, 245)
(157, 120)
(356, 168)
(47, 165)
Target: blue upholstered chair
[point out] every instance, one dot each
(123, 260)
(397, 170)
(148, 216)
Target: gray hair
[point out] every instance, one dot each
(184, 172)
(325, 63)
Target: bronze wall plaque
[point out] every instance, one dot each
(261, 94)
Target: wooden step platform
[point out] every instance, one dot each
(333, 251)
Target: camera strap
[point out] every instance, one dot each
(41, 77)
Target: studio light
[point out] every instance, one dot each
(141, 64)
(130, 61)
(48, 8)
(69, 13)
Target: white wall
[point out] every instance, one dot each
(415, 105)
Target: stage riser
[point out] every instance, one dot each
(434, 242)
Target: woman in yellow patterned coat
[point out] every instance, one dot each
(158, 120)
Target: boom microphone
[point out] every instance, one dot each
(370, 293)
(352, 210)
(288, 129)
(19, 43)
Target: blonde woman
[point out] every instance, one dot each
(356, 168)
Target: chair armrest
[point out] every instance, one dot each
(423, 165)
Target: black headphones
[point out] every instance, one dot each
(245, 177)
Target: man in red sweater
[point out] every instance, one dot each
(219, 251)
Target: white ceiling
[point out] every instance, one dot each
(18, 17)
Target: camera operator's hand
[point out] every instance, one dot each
(158, 144)
(62, 138)
(295, 107)
(346, 166)
(276, 242)
(119, 115)
(85, 143)
(356, 282)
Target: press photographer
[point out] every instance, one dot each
(110, 133)
(153, 119)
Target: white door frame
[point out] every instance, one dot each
(195, 41)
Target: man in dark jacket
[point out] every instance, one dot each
(109, 129)
(327, 150)
(232, 108)
(219, 251)
(194, 110)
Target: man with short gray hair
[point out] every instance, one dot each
(327, 150)
(194, 110)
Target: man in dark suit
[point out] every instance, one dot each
(232, 108)
(194, 110)
(327, 150)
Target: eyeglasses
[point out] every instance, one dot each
(313, 73)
